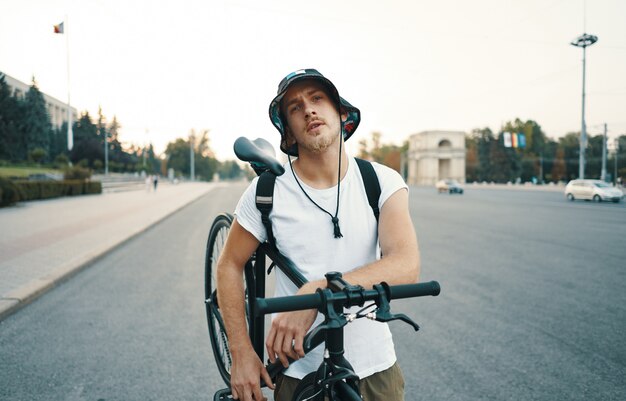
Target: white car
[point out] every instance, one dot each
(595, 190)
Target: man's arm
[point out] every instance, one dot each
(247, 368)
(400, 265)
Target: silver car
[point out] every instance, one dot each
(595, 190)
(449, 186)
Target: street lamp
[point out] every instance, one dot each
(583, 41)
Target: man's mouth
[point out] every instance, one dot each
(313, 125)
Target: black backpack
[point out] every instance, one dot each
(265, 194)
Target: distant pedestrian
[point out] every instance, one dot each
(148, 183)
(156, 181)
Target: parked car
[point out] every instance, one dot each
(449, 186)
(595, 190)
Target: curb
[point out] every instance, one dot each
(24, 295)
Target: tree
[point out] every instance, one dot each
(569, 144)
(484, 140)
(229, 170)
(87, 144)
(103, 134)
(471, 159)
(558, 168)
(37, 155)
(12, 145)
(178, 156)
(505, 163)
(58, 141)
(363, 153)
(388, 154)
(37, 128)
(527, 160)
(115, 146)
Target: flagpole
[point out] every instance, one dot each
(70, 134)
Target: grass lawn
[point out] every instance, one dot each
(26, 171)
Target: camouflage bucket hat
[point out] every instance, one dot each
(348, 126)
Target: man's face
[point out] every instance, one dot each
(313, 121)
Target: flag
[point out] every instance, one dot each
(58, 28)
(507, 139)
(514, 140)
(522, 140)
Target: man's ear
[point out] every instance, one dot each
(289, 139)
(343, 114)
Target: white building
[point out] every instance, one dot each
(57, 110)
(434, 156)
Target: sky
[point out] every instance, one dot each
(164, 68)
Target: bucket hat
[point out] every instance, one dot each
(348, 126)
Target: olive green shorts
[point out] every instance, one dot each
(387, 385)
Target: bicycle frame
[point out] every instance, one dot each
(335, 374)
(255, 271)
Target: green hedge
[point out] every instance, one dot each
(9, 192)
(15, 191)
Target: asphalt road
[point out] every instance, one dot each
(533, 305)
(130, 327)
(532, 308)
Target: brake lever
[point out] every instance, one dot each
(223, 394)
(383, 313)
(333, 320)
(387, 317)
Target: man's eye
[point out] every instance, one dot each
(294, 108)
(317, 97)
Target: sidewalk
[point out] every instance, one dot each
(45, 242)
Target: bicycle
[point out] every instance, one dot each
(335, 377)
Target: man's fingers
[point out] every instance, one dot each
(288, 348)
(266, 378)
(269, 345)
(258, 395)
(298, 345)
(280, 350)
(277, 348)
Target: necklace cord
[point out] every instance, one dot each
(335, 220)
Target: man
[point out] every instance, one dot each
(322, 221)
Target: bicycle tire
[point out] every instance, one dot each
(217, 331)
(306, 391)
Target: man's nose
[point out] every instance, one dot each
(309, 110)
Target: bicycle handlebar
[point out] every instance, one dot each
(266, 306)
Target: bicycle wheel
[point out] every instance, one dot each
(217, 331)
(306, 391)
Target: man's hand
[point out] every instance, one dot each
(246, 372)
(286, 337)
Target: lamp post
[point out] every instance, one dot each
(603, 171)
(192, 163)
(615, 180)
(583, 41)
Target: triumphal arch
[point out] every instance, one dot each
(434, 156)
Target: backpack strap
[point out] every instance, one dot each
(372, 185)
(264, 202)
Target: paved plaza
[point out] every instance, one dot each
(44, 242)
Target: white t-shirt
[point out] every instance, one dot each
(304, 234)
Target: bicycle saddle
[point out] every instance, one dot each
(259, 153)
